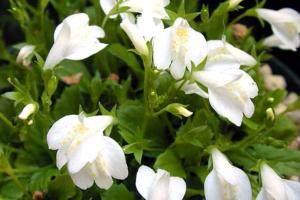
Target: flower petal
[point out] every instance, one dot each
(262, 195)
(59, 48)
(59, 130)
(114, 158)
(197, 47)
(144, 180)
(161, 49)
(194, 89)
(177, 188)
(212, 187)
(98, 123)
(177, 68)
(294, 186)
(61, 158)
(96, 31)
(160, 190)
(103, 180)
(107, 6)
(243, 185)
(83, 178)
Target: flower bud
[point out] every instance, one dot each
(178, 110)
(27, 111)
(234, 3)
(270, 114)
(24, 53)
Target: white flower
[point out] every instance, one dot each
(156, 7)
(226, 181)
(285, 24)
(177, 47)
(273, 187)
(229, 89)
(143, 31)
(107, 6)
(89, 155)
(74, 39)
(27, 111)
(24, 52)
(160, 185)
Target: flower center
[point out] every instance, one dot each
(179, 43)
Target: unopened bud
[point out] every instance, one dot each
(234, 3)
(27, 111)
(270, 99)
(270, 114)
(178, 110)
(239, 31)
(24, 52)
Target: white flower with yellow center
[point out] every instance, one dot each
(177, 47)
(276, 188)
(225, 181)
(160, 185)
(74, 39)
(285, 24)
(90, 156)
(229, 89)
(143, 31)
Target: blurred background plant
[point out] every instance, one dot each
(114, 77)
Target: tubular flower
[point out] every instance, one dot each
(273, 187)
(229, 89)
(27, 111)
(225, 181)
(89, 155)
(285, 24)
(74, 39)
(160, 185)
(24, 52)
(156, 7)
(177, 47)
(143, 31)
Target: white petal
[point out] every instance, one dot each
(59, 48)
(294, 186)
(59, 130)
(144, 180)
(262, 195)
(177, 68)
(243, 185)
(96, 31)
(274, 16)
(197, 47)
(288, 34)
(114, 158)
(272, 183)
(212, 187)
(107, 5)
(249, 108)
(61, 158)
(86, 151)
(135, 36)
(24, 52)
(246, 82)
(274, 41)
(162, 49)
(77, 20)
(83, 178)
(103, 180)
(294, 15)
(194, 89)
(160, 190)
(242, 57)
(177, 188)
(98, 123)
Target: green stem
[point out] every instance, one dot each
(6, 121)
(147, 82)
(97, 11)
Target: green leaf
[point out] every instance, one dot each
(170, 162)
(10, 191)
(40, 180)
(117, 192)
(181, 9)
(61, 188)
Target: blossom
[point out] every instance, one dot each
(273, 187)
(229, 89)
(177, 47)
(143, 31)
(160, 185)
(107, 6)
(90, 156)
(285, 24)
(74, 39)
(156, 7)
(226, 181)
(27, 111)
(24, 53)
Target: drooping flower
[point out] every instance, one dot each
(229, 89)
(274, 187)
(143, 31)
(155, 7)
(27, 111)
(23, 54)
(176, 47)
(160, 185)
(226, 181)
(74, 39)
(90, 156)
(285, 24)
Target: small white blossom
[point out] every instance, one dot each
(24, 52)
(143, 31)
(90, 156)
(226, 181)
(27, 111)
(285, 24)
(74, 39)
(176, 47)
(273, 187)
(160, 185)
